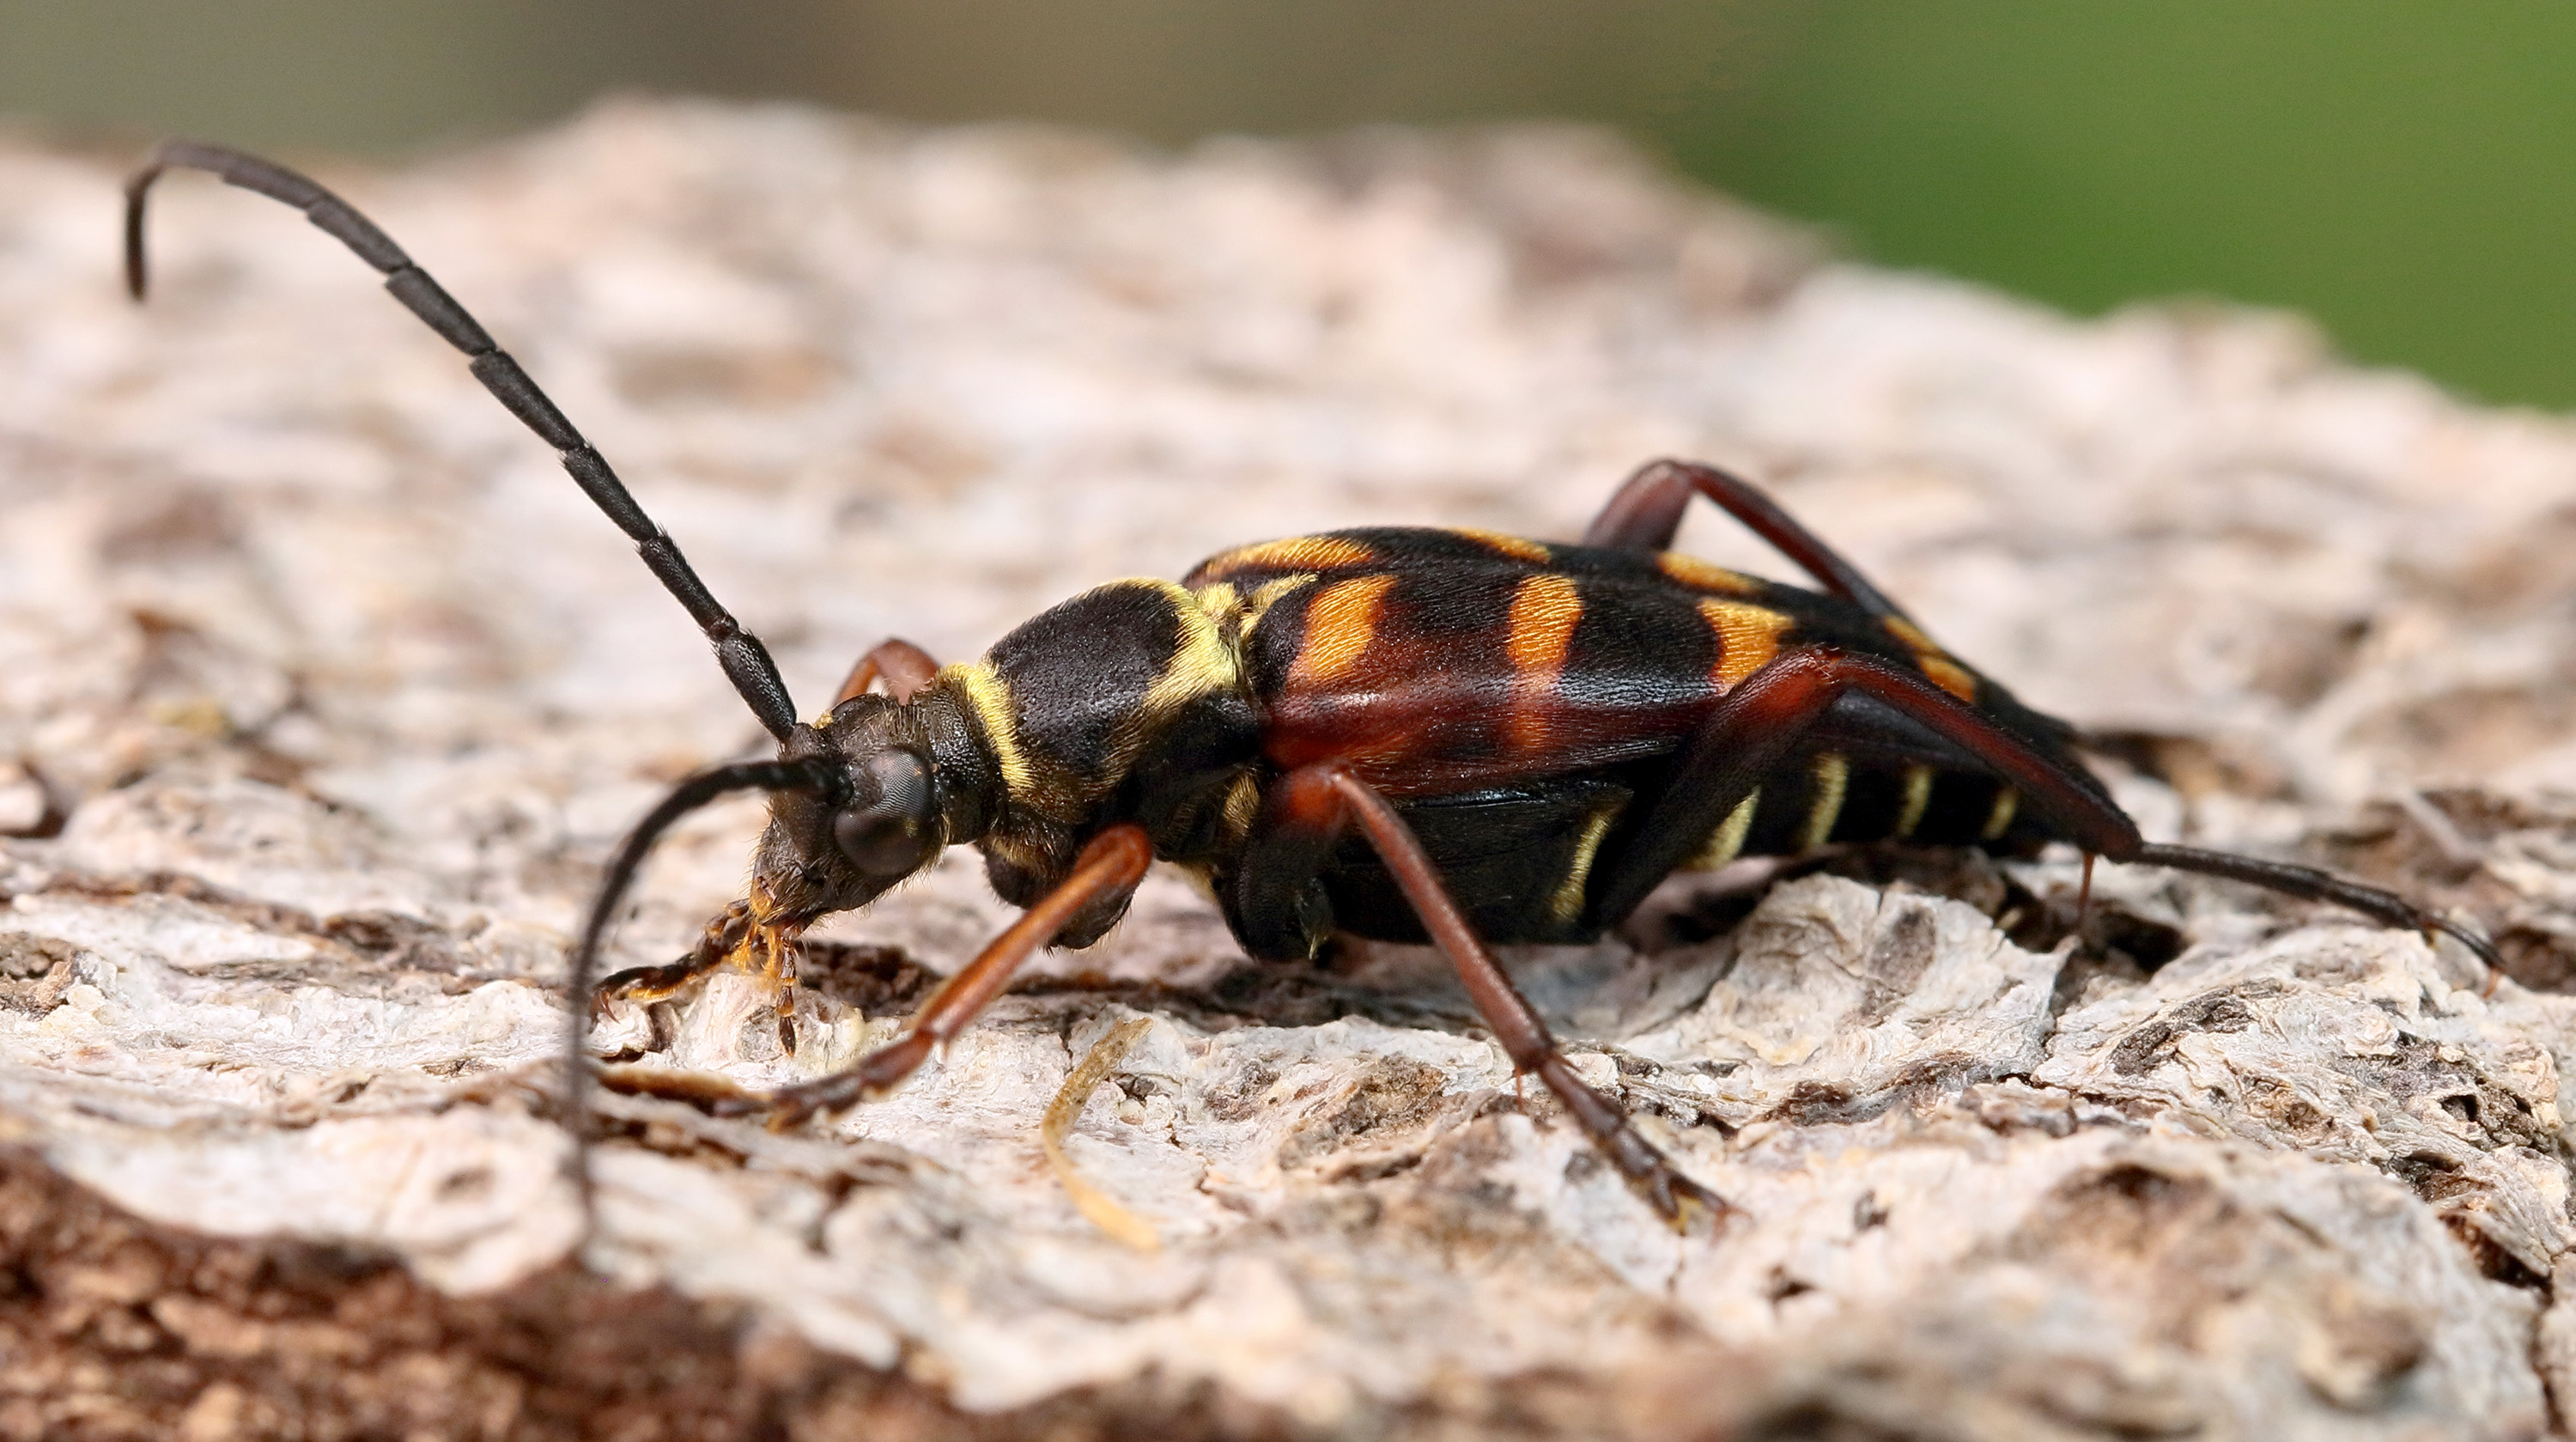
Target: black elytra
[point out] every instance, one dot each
(1438, 735)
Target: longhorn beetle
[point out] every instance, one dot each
(1406, 734)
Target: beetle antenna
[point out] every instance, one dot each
(819, 775)
(746, 662)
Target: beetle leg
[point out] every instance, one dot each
(1764, 722)
(905, 667)
(2310, 884)
(722, 938)
(777, 953)
(735, 937)
(1310, 807)
(1766, 718)
(1113, 862)
(1646, 511)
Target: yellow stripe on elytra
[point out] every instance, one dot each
(1512, 546)
(1918, 795)
(1912, 635)
(1537, 635)
(1541, 628)
(2000, 819)
(986, 691)
(1340, 623)
(1832, 777)
(1567, 903)
(1747, 638)
(1699, 575)
(1298, 553)
(1728, 839)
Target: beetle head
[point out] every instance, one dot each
(842, 846)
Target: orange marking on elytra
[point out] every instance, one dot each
(1699, 575)
(1340, 623)
(1540, 631)
(1747, 638)
(1296, 553)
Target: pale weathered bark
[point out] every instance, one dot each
(347, 693)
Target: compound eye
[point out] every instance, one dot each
(892, 824)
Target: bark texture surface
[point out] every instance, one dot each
(323, 694)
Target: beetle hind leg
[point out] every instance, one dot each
(2311, 884)
(1770, 715)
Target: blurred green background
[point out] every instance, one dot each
(2400, 171)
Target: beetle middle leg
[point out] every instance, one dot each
(1646, 511)
(1302, 815)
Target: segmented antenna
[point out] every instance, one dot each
(746, 662)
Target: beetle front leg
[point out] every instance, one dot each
(903, 666)
(1303, 813)
(736, 936)
(1111, 864)
(723, 937)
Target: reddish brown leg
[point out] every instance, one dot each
(1764, 720)
(1113, 862)
(1321, 799)
(1767, 718)
(904, 667)
(1647, 511)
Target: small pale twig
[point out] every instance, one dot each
(1094, 1204)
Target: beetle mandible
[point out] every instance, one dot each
(1405, 734)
